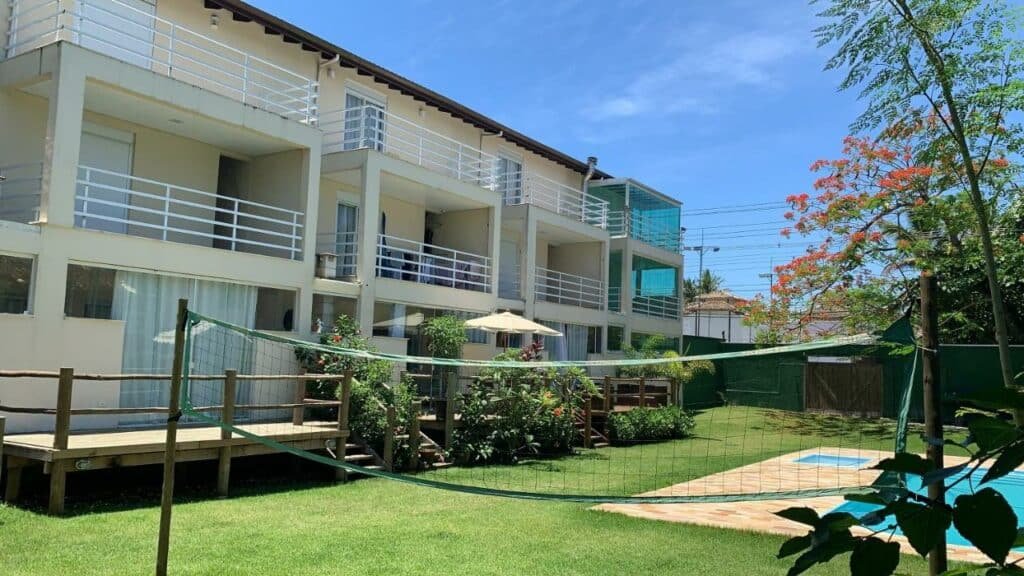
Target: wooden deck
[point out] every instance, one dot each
(93, 450)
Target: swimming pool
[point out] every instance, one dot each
(1010, 486)
(833, 460)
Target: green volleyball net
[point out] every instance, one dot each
(796, 421)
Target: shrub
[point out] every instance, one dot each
(650, 424)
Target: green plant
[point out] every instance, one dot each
(650, 424)
(445, 336)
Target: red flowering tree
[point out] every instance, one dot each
(884, 212)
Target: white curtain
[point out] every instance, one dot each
(575, 341)
(147, 303)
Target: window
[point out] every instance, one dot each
(593, 339)
(510, 179)
(15, 284)
(615, 336)
(364, 122)
(508, 340)
(89, 292)
(275, 309)
(326, 310)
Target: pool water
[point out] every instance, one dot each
(833, 460)
(1010, 486)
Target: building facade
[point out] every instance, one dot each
(158, 149)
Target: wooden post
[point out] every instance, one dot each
(937, 562)
(607, 394)
(343, 433)
(62, 427)
(588, 422)
(449, 409)
(174, 413)
(389, 439)
(13, 481)
(414, 434)
(643, 392)
(228, 417)
(299, 412)
(58, 481)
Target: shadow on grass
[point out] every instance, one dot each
(827, 425)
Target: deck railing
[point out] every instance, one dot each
(615, 299)
(125, 204)
(139, 37)
(337, 255)
(530, 188)
(375, 128)
(570, 289)
(412, 261)
(622, 224)
(657, 306)
(20, 186)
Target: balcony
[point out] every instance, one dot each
(657, 306)
(530, 188)
(569, 289)
(137, 36)
(19, 192)
(376, 129)
(629, 224)
(412, 261)
(120, 203)
(336, 256)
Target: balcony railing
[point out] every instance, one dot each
(412, 261)
(530, 188)
(373, 127)
(615, 299)
(125, 204)
(509, 283)
(20, 185)
(570, 289)
(337, 255)
(137, 36)
(657, 306)
(623, 224)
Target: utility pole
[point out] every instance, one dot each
(700, 250)
(770, 276)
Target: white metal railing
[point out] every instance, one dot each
(139, 37)
(413, 261)
(509, 281)
(570, 289)
(615, 298)
(375, 128)
(20, 186)
(114, 202)
(530, 188)
(627, 223)
(657, 306)
(337, 255)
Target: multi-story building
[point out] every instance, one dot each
(158, 149)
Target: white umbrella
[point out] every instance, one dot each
(509, 322)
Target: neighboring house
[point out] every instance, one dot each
(719, 315)
(158, 149)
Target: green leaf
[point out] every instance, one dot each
(990, 433)
(1007, 462)
(837, 521)
(987, 521)
(907, 463)
(867, 498)
(800, 514)
(874, 557)
(825, 549)
(923, 525)
(794, 545)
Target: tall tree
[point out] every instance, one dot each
(708, 282)
(963, 61)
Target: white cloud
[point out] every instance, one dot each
(695, 79)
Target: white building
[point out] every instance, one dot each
(718, 315)
(157, 149)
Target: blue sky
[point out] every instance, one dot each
(717, 104)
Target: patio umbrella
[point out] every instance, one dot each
(508, 322)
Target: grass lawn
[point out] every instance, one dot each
(383, 527)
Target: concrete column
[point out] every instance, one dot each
(494, 245)
(605, 277)
(369, 227)
(63, 139)
(310, 182)
(529, 275)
